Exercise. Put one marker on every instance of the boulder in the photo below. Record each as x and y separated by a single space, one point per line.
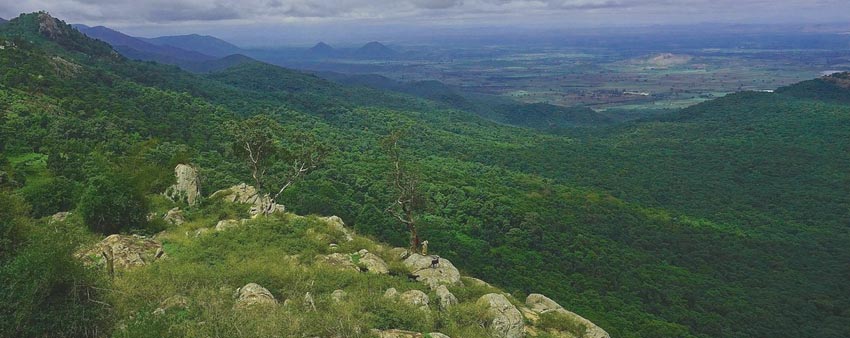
128 251
542 304
59 217
338 260
397 334
507 320
339 225
174 217
338 295
446 298
253 294
173 302
246 194
400 253
444 273
373 263
227 224
416 298
391 293
438 335
200 232
188 186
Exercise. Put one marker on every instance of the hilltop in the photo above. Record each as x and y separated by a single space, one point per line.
374 50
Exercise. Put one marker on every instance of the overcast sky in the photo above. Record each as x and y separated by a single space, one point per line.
254 21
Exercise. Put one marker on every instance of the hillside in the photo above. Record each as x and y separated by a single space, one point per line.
374 50
203 44
725 219
138 49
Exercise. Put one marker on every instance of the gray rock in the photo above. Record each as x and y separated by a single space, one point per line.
339 225
444 273
246 194
227 224
59 217
416 298
128 251
438 335
542 304
446 298
507 320
397 334
373 263
173 302
400 253
338 260
391 293
338 295
174 217
188 186
253 294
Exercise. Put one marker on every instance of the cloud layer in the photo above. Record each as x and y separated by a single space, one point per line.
170 11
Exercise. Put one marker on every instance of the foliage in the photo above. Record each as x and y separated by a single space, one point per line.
109 205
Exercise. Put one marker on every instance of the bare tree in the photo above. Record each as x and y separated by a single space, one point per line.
406 185
275 156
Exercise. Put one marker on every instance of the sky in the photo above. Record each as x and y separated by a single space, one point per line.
257 22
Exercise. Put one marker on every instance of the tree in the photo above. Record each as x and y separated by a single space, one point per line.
277 157
405 183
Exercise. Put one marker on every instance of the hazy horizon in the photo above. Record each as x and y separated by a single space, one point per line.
279 23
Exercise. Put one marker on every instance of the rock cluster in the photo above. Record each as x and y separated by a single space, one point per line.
127 251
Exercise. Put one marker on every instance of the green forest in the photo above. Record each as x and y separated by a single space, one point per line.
725 219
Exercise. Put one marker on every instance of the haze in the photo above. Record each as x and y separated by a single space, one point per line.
279 22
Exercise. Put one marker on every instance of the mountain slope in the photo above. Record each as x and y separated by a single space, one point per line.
722 220
203 44
321 49
374 50
136 48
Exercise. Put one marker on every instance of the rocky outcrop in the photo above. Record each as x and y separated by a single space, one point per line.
174 217
507 320
174 302
444 273
188 186
339 225
542 304
372 263
246 194
446 298
253 294
126 252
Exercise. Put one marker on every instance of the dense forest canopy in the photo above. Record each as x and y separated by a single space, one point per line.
725 219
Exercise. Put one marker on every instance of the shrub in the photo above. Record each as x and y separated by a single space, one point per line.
51 196
110 205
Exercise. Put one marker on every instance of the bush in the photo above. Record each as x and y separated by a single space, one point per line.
45 291
52 196
110 205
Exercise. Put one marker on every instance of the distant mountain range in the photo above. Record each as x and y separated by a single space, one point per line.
2 21
204 44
